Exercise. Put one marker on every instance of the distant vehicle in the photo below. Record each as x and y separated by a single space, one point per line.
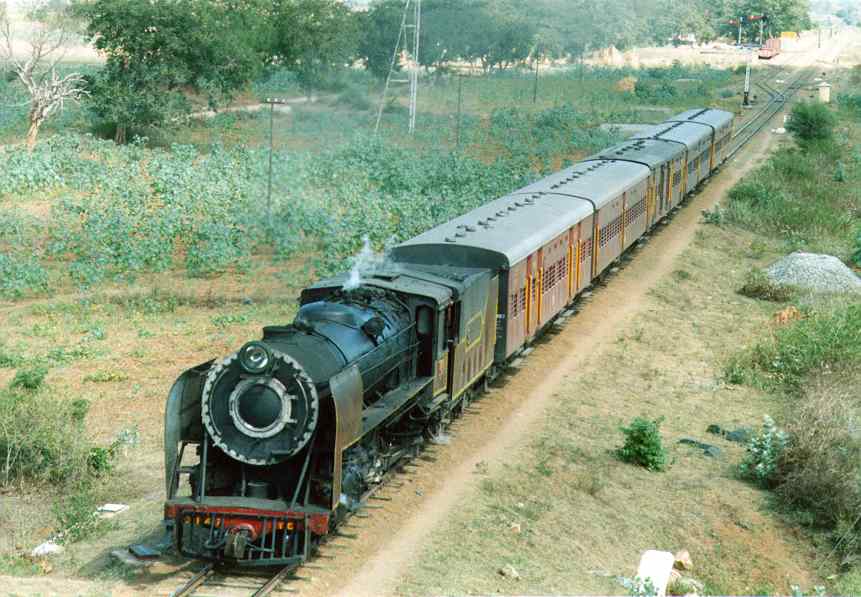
771 49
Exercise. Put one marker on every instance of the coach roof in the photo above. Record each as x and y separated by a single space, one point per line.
506 231
709 116
650 152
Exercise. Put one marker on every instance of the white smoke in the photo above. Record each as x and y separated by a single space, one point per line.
365 263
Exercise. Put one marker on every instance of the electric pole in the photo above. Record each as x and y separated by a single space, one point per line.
272 103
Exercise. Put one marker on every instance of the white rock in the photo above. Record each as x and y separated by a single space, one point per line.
657 567
48 548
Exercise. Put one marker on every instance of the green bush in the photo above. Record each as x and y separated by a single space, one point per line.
75 513
30 378
643 444
20 276
763 453
851 101
811 121
355 98
41 439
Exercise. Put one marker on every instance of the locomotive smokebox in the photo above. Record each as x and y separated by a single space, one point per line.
259 405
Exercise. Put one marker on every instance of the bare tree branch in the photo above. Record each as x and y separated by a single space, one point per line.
51 32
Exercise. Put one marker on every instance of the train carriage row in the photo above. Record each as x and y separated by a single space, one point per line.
292 430
550 240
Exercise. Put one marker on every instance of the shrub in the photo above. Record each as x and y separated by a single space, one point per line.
850 100
355 98
19 276
41 439
811 121
759 286
820 468
75 513
763 453
30 378
643 444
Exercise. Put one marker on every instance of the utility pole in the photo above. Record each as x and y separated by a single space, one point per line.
414 74
459 106
272 103
747 85
413 7
535 86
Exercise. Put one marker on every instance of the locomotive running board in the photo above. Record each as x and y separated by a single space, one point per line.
392 403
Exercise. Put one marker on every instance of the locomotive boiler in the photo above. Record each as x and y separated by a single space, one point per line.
268 449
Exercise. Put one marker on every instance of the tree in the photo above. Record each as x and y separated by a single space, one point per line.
313 37
498 40
158 51
783 15
381 26
51 31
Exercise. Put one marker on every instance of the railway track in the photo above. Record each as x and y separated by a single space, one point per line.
763 116
210 574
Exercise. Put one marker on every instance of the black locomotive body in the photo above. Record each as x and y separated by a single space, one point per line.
291 431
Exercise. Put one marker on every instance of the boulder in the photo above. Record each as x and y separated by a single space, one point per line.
683 560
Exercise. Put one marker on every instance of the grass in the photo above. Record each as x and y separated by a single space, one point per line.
827 338
799 198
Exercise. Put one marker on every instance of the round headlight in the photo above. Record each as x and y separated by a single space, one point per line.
254 358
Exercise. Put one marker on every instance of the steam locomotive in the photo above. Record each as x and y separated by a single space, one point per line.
281 440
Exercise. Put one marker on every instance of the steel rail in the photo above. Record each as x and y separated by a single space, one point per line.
195 581
275 581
